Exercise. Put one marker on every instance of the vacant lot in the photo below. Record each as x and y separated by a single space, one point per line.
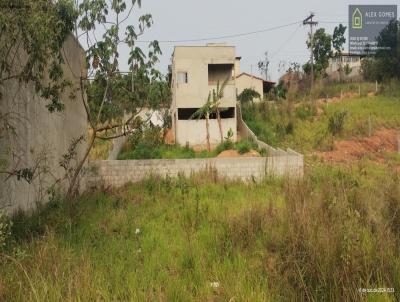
305 127
204 239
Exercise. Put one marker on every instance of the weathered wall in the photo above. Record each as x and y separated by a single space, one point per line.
194 131
40 134
116 173
246 81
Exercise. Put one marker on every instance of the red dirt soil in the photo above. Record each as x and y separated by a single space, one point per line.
383 141
235 153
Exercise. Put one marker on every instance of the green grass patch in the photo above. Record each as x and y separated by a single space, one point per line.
317 239
283 125
163 151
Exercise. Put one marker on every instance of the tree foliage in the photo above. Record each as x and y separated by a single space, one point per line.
321 49
248 95
323 45
35 30
385 64
338 39
115 98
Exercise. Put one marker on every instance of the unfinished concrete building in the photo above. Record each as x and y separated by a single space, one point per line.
197 70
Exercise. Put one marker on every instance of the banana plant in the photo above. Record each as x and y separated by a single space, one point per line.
217 96
205 111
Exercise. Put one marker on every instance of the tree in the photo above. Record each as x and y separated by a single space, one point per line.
115 99
338 38
338 41
322 50
34 30
388 53
280 90
385 63
217 96
38 29
204 112
248 95
263 66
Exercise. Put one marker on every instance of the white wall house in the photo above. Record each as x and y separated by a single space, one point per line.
344 61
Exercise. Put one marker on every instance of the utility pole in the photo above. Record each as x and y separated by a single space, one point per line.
309 21
263 66
266 65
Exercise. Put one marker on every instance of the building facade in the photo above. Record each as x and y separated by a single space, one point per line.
195 72
345 66
249 81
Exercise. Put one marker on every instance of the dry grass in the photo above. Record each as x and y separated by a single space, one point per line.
317 239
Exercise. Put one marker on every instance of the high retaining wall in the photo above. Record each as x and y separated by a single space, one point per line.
116 173
39 138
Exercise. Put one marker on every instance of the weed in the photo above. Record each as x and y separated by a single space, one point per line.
336 122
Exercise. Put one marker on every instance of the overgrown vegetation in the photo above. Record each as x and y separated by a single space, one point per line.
384 65
304 126
146 150
201 239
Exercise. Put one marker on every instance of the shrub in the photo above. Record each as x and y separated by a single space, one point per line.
391 88
245 146
336 122
248 95
226 145
305 111
5 230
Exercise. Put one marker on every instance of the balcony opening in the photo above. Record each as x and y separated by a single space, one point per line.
219 73
188 114
227 112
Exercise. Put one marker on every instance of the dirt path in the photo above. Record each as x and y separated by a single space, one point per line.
383 141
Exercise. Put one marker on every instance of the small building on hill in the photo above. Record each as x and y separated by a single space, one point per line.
246 80
345 66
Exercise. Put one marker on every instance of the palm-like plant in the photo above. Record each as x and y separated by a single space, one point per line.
218 94
211 106
205 111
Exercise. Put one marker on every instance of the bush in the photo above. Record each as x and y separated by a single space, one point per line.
336 122
148 151
226 145
5 230
245 146
391 88
248 95
305 111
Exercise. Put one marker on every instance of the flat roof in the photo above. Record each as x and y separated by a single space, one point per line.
201 46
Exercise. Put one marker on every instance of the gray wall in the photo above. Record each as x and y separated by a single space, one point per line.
116 173
39 134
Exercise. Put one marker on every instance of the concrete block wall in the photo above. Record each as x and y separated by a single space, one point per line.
116 173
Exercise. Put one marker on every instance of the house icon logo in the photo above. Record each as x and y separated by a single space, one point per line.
357 19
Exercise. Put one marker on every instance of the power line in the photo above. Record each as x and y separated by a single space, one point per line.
286 42
225 36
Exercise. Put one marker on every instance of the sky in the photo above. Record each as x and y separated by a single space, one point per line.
196 19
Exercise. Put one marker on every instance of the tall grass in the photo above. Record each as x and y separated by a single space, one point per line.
205 239
309 129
